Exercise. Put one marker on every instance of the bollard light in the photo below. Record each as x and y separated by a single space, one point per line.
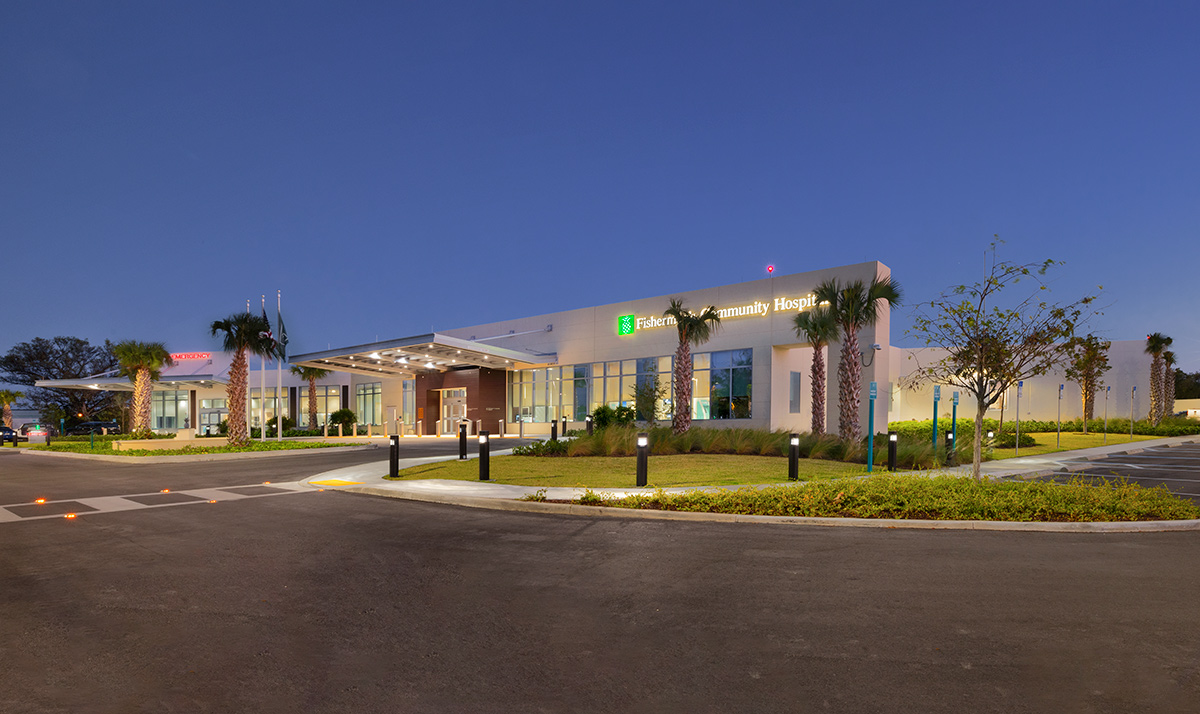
794 457
554 431
394 456
485 467
893 438
643 458
950 449
588 420
462 442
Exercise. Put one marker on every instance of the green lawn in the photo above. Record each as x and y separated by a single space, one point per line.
621 472
1070 441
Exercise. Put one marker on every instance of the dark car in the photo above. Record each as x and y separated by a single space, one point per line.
94 427
7 434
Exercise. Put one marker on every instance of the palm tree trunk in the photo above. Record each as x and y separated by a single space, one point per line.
849 378
1168 391
1156 384
818 391
682 420
8 415
312 404
141 402
236 391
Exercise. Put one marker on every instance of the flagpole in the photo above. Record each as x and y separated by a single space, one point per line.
279 367
262 386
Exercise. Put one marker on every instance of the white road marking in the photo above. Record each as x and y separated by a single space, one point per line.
112 504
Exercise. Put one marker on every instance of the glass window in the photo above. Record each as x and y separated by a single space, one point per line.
722 390
370 403
794 393
169 409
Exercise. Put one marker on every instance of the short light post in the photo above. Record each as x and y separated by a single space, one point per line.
485 466
563 431
793 457
892 438
950 449
588 422
643 458
554 430
394 455
1058 435
991 435
462 441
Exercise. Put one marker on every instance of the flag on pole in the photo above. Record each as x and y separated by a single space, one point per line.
268 335
283 340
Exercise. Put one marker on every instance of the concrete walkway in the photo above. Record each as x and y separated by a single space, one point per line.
369 479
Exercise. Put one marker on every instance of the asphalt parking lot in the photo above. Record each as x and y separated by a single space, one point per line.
1176 467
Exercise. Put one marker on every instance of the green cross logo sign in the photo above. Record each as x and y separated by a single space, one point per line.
625 325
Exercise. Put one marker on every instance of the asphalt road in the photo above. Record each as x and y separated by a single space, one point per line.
333 602
1175 467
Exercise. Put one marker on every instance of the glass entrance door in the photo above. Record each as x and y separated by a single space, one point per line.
454 410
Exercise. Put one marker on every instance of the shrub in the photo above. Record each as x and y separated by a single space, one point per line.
605 416
1007 440
345 417
542 448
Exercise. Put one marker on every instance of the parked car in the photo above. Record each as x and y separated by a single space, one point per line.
7 434
37 428
94 427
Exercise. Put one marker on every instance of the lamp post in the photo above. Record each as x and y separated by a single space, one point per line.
485 465
937 395
1106 391
394 455
1132 397
643 458
462 441
793 457
588 421
1017 443
1058 434
892 436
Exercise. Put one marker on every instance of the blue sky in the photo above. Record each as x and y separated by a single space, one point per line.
396 167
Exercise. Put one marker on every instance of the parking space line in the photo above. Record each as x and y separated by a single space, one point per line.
1142 467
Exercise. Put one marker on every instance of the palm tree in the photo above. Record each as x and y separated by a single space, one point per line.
1156 344
693 330
818 328
143 363
1168 382
244 333
7 399
854 305
312 374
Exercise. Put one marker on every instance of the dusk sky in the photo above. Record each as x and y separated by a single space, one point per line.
397 167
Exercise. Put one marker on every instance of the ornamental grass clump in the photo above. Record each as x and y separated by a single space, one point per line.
936 498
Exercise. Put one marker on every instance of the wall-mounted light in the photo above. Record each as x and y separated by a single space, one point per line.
867 362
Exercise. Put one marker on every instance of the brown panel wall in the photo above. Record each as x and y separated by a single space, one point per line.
486 395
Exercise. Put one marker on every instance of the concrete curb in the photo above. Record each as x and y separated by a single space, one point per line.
604 511
191 458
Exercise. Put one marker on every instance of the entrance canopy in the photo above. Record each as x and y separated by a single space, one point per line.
410 356
113 382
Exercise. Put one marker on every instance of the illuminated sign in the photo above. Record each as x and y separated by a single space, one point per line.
629 324
180 356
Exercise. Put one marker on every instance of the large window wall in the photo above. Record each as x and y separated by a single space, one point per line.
169 409
720 387
329 400
370 403
274 405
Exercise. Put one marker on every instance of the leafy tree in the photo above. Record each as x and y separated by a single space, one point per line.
1088 363
7 398
312 374
694 329
818 328
244 334
990 348
1156 344
61 358
143 363
1187 385
854 305
648 396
